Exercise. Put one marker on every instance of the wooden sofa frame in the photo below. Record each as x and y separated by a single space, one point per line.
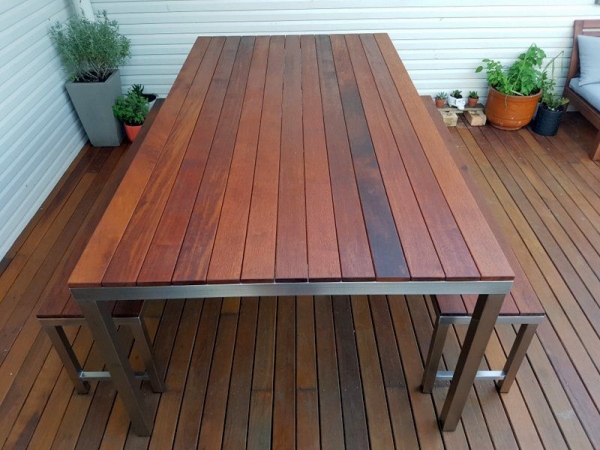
587 28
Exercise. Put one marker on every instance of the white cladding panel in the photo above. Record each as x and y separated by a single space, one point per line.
40 134
440 42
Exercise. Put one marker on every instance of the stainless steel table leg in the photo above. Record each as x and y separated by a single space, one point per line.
105 335
476 340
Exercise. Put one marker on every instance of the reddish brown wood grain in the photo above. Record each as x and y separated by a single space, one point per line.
447 239
418 248
291 257
97 255
259 254
131 252
196 250
486 252
355 254
228 253
386 250
323 253
162 255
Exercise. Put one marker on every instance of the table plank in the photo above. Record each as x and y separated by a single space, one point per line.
131 252
449 244
196 250
323 253
226 262
291 257
355 254
259 255
386 250
419 251
484 248
97 255
162 255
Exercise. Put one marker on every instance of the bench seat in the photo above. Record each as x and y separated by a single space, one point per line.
521 307
578 95
59 309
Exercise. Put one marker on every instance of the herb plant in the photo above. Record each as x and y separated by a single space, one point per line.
137 88
524 77
90 50
131 109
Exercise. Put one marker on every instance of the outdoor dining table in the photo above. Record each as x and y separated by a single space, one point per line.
291 165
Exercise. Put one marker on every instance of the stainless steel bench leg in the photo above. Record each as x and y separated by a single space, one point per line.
516 355
478 335
63 347
102 325
434 355
142 338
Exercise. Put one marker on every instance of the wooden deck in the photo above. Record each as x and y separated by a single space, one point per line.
325 371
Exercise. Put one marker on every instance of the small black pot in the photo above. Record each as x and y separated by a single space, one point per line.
546 121
149 97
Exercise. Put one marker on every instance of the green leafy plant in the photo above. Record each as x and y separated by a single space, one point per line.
456 94
137 88
473 94
90 50
550 99
441 95
131 109
524 77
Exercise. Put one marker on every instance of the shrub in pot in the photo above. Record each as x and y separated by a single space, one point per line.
91 53
473 99
139 89
440 99
550 110
132 110
456 99
515 91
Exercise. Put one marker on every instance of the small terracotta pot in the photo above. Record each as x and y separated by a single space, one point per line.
473 102
132 131
440 102
510 112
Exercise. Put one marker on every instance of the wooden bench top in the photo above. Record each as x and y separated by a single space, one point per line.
291 158
522 299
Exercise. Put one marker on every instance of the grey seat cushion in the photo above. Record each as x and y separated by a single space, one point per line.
590 92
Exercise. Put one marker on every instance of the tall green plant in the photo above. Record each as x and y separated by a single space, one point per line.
90 50
524 77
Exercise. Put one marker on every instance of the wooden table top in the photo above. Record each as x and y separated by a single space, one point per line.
291 158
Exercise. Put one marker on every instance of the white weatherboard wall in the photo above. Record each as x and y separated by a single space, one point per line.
440 42
40 134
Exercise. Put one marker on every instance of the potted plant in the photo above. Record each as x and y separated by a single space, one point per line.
550 110
139 89
515 91
131 109
91 53
456 99
440 99
473 99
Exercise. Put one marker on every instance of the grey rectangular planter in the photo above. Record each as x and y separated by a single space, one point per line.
93 103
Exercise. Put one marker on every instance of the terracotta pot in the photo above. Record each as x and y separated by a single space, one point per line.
510 112
473 102
132 131
440 102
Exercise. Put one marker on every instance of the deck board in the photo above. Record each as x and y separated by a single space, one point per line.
226 379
